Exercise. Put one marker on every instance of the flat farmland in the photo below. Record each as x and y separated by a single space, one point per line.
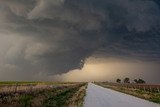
41 94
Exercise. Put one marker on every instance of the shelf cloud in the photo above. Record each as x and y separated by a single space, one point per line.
56 36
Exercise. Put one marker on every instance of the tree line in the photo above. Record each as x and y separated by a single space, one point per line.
127 80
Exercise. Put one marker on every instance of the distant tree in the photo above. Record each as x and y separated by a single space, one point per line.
135 80
139 81
118 80
127 80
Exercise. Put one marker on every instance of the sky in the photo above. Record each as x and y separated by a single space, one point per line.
79 40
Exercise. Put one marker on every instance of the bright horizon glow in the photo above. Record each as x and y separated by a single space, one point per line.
107 71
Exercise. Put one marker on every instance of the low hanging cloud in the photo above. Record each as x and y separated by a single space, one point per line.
109 70
55 36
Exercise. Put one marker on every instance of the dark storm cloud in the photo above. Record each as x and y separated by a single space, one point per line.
58 35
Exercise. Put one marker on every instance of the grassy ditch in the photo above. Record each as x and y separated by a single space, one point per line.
65 98
78 98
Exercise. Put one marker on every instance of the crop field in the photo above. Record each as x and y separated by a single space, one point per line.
41 94
145 91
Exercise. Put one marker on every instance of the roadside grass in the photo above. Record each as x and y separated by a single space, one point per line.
65 98
56 96
147 95
78 98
